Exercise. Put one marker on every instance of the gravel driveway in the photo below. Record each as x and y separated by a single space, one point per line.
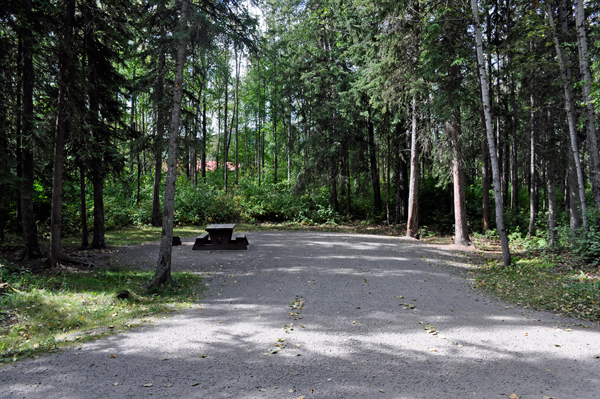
323 315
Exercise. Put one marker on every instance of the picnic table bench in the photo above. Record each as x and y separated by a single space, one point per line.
220 237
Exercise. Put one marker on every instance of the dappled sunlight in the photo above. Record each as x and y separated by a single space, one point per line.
329 321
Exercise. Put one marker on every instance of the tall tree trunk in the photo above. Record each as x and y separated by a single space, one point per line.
163 267
203 156
533 175
388 178
506 257
347 179
575 219
83 206
412 225
514 177
461 230
373 163
237 119
32 246
551 176
225 130
60 133
592 138
565 72
156 217
485 185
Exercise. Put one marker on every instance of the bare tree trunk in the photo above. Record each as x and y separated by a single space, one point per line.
160 126
592 138
461 230
373 163
551 175
412 225
533 175
32 245
485 185
60 133
514 178
237 120
491 142
565 72
388 216
225 130
203 156
83 206
163 267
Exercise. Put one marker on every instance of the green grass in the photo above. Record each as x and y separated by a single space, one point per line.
542 283
40 312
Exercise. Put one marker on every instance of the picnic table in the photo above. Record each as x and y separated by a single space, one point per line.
220 237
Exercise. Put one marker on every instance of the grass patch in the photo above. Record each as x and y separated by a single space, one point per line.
39 312
544 283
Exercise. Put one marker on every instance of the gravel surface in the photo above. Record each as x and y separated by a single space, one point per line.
323 315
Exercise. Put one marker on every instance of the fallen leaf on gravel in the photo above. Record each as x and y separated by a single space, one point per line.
557 345
194 384
301 397
113 356
115 384
148 384
433 350
291 390
202 356
549 397
163 359
382 391
168 385
513 396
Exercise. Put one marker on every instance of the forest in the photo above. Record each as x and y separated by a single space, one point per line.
447 117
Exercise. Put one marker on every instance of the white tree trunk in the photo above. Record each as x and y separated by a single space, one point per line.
490 136
589 107
565 73
412 226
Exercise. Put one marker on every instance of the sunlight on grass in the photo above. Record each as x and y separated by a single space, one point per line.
538 284
40 312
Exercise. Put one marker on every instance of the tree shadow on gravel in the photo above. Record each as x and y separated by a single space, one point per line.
329 316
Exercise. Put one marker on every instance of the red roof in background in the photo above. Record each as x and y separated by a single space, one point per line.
210 166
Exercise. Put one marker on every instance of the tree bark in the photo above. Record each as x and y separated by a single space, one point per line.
373 164
60 133
533 175
225 128
485 185
461 229
551 175
514 177
156 218
203 156
83 206
32 245
237 119
565 72
163 267
592 138
412 225
506 257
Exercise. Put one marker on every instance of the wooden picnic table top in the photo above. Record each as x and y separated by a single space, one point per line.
230 226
